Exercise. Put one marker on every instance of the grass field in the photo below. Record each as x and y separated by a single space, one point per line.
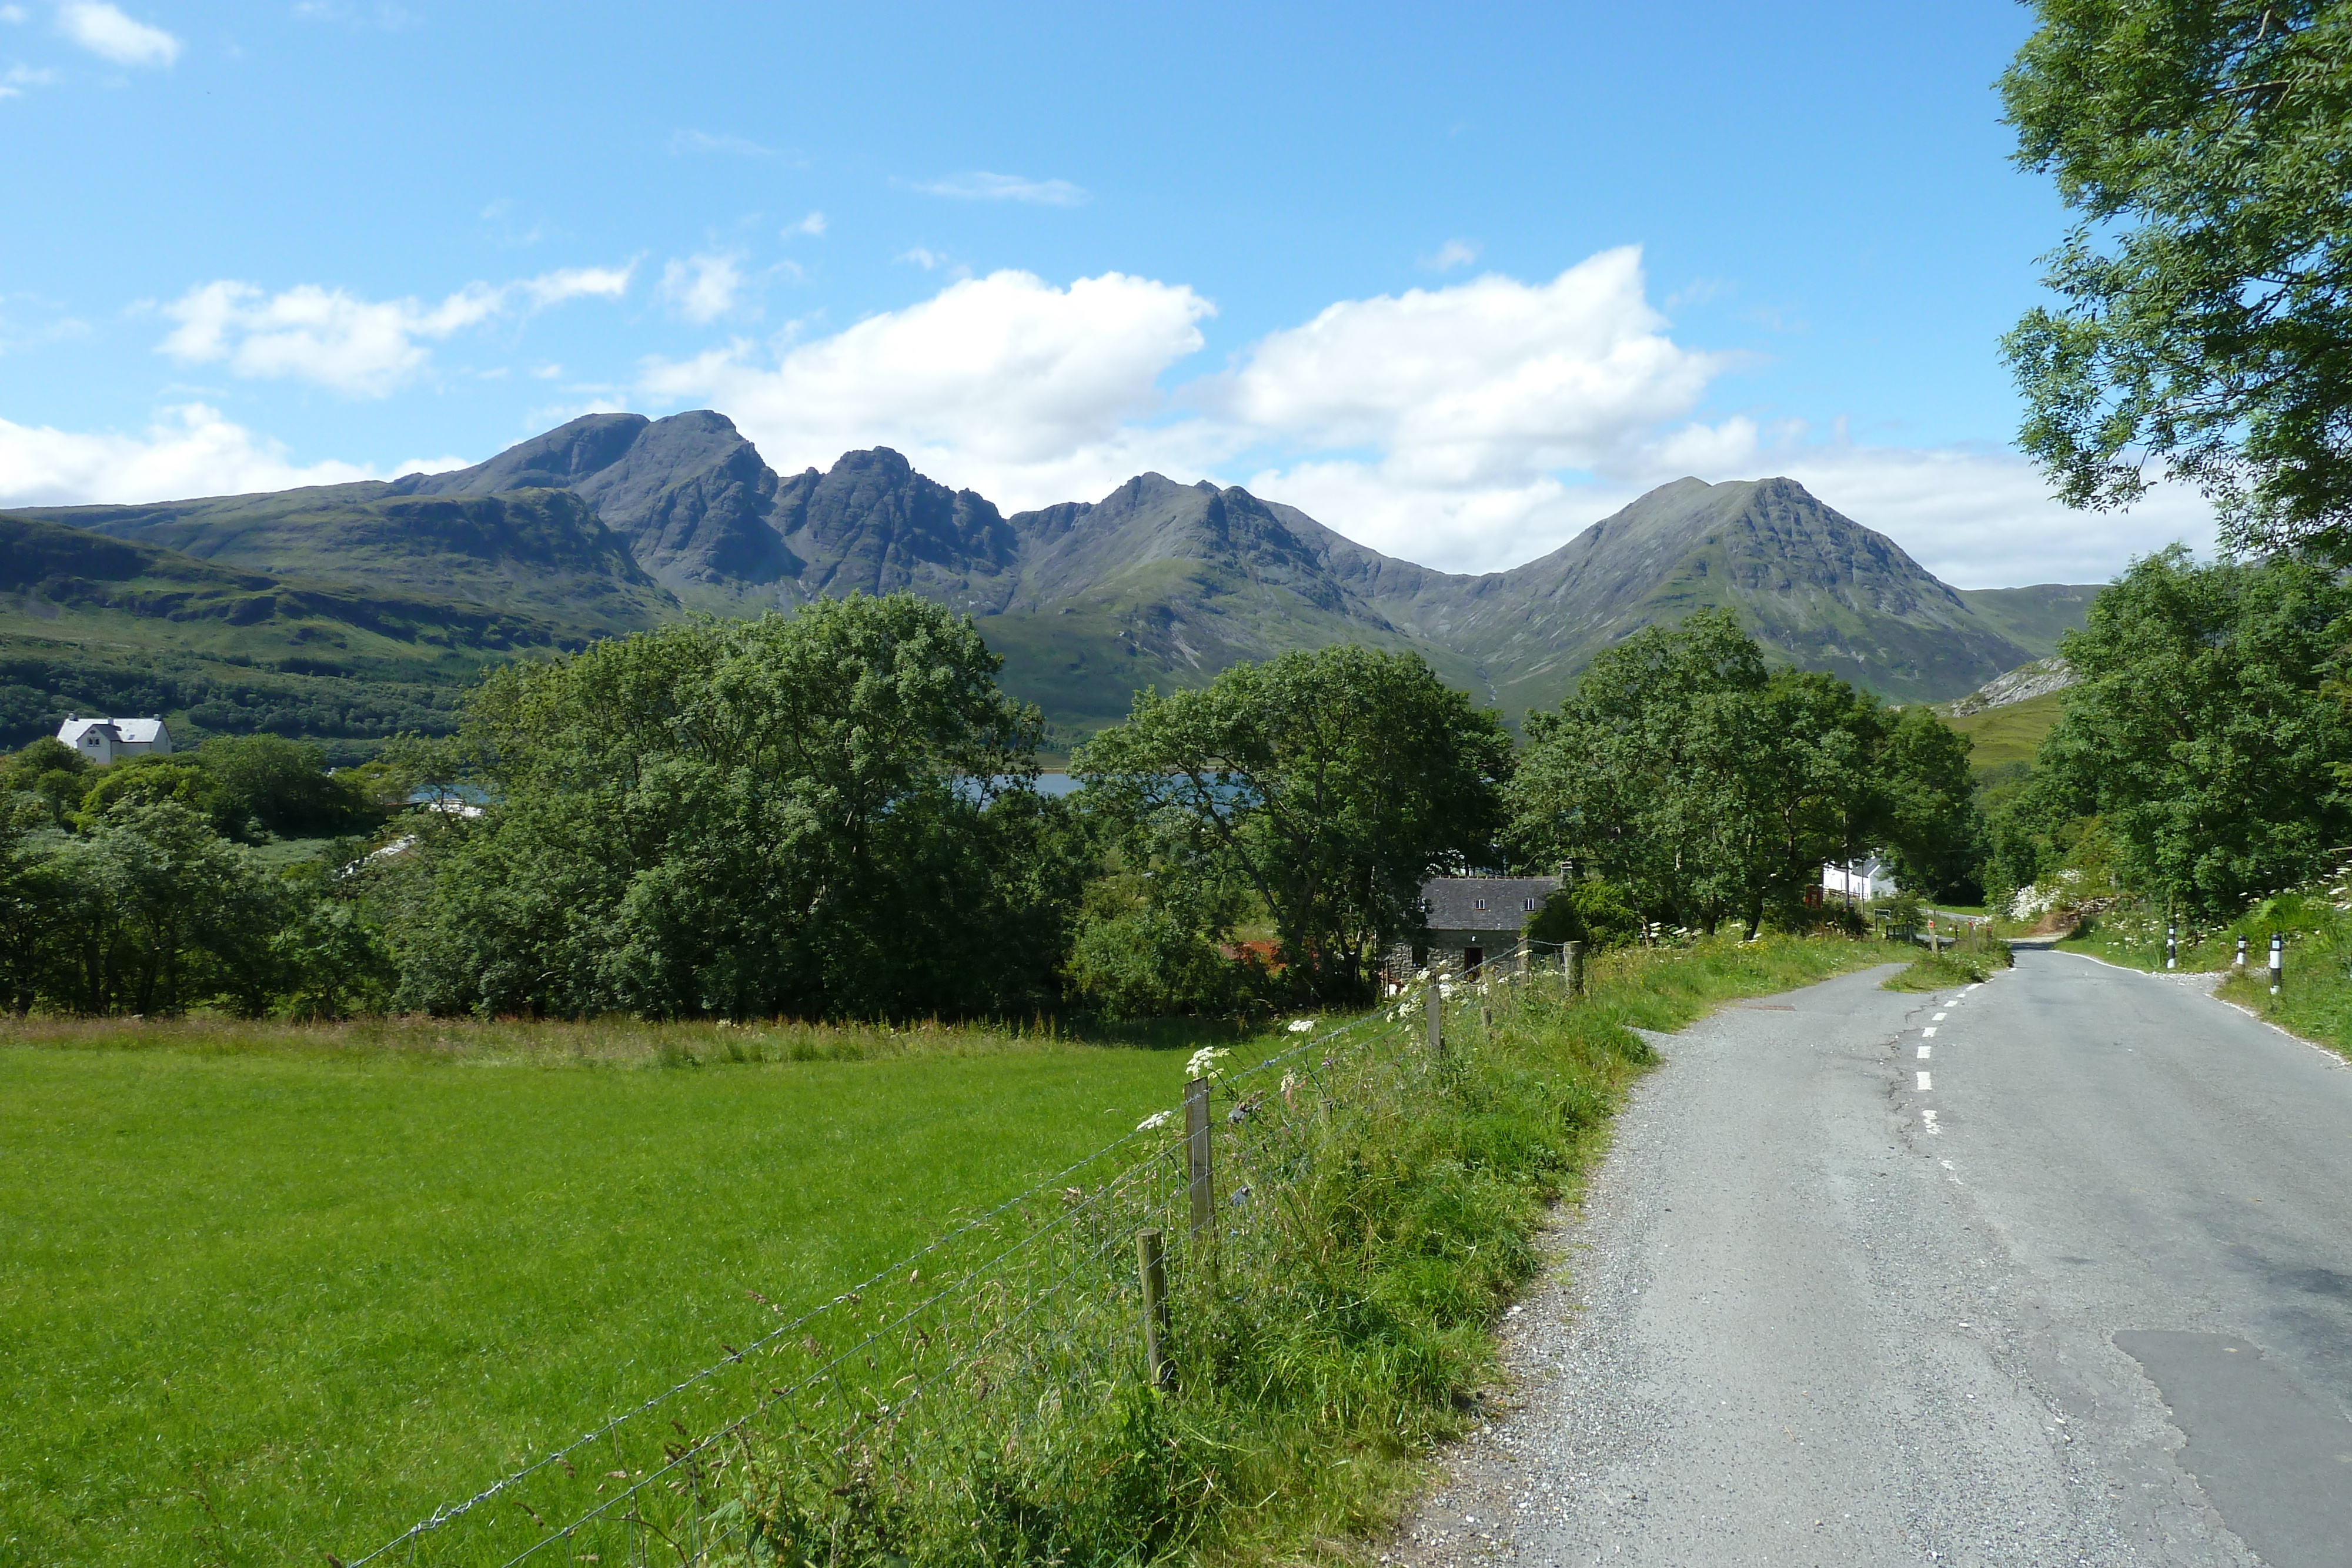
274 1292
278 1291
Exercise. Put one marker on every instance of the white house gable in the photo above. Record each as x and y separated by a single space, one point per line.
101 740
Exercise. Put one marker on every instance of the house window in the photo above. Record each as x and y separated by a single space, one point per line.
1477 903
1527 906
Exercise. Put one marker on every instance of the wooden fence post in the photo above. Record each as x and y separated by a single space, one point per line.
1196 1152
1434 1003
1571 963
1151 1264
1524 957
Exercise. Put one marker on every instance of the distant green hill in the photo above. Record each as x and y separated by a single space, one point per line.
2010 733
104 624
541 554
2033 618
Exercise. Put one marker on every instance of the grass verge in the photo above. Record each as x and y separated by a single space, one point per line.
1327 1331
1970 960
2314 1003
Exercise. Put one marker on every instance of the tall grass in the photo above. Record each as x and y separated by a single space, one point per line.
619 1041
1974 956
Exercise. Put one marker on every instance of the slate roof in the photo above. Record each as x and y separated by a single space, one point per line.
1453 902
73 729
123 731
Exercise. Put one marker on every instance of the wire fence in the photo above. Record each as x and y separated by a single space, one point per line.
819 1440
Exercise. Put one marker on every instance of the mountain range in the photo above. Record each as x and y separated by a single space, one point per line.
615 522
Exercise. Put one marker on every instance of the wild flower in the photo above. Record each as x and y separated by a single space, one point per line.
1205 1063
1157 1119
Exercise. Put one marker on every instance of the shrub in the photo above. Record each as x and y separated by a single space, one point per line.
1147 963
1593 912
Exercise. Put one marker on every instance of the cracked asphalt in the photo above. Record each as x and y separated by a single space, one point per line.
2073 1286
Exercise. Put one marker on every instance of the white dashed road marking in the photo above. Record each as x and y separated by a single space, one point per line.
1939 1017
1928 1030
1925 1082
1923 1051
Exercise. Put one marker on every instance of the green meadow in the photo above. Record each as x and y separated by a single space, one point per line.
271 1293
2012 733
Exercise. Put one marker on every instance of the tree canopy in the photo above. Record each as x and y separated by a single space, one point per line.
2206 290
1712 789
2200 750
830 812
1329 784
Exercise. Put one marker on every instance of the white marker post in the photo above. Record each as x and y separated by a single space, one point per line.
2172 946
2241 952
2278 961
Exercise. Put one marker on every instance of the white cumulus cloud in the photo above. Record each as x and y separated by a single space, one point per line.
16 78
106 32
191 450
576 283
982 186
1025 391
703 288
1471 427
365 347
1979 516
812 225
1489 381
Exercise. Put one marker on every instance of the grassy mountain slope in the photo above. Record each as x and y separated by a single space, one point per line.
2034 618
102 624
1165 584
2012 733
542 553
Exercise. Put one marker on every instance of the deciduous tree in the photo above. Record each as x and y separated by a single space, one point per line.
1331 783
2203 735
2205 319
826 813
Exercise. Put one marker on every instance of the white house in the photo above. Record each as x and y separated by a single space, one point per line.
101 740
1867 878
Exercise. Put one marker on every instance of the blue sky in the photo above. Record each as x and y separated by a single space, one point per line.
1456 280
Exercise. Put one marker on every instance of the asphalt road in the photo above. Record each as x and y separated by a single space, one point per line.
2055 1270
